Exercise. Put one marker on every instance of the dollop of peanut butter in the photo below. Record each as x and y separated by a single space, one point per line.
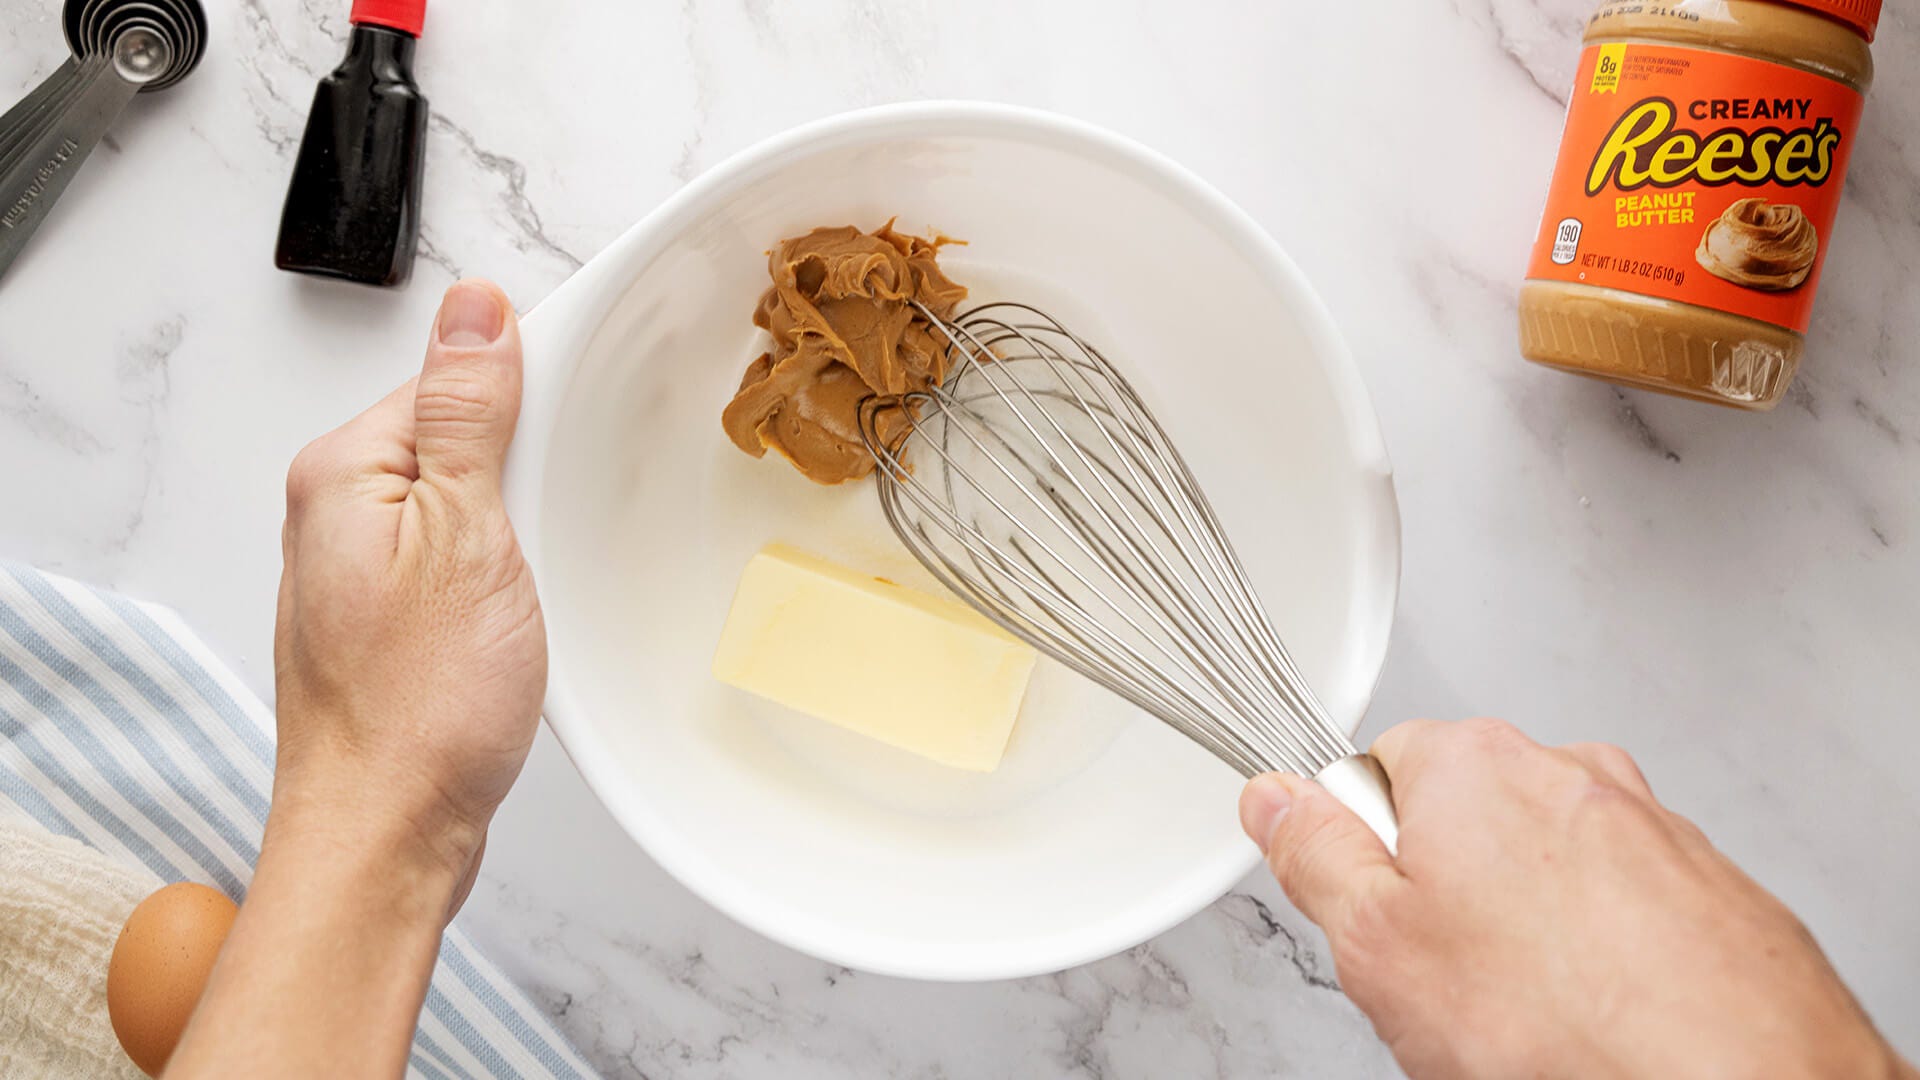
844 328
1760 245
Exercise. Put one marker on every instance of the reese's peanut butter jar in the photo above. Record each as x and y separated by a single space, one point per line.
1695 192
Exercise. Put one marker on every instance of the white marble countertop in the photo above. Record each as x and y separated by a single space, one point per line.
1736 599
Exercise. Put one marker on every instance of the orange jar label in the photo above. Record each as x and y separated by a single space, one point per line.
1698 176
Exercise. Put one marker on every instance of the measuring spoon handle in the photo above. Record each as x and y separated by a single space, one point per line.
40 110
41 169
47 101
17 118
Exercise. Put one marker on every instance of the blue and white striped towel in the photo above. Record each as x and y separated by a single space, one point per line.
120 729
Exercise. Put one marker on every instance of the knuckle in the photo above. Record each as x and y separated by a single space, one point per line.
456 397
1613 758
1494 736
1489 729
1406 733
1600 794
1602 765
309 472
1601 804
1685 826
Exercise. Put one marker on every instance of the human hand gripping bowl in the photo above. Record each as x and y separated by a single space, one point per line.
882 861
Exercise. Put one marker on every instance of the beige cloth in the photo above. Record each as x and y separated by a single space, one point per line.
61 906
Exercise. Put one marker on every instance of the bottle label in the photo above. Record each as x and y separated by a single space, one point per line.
1698 176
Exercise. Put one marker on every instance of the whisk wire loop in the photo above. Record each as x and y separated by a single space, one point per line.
1037 485
1143 547
1024 571
1136 457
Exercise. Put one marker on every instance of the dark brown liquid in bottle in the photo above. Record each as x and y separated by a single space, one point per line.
353 208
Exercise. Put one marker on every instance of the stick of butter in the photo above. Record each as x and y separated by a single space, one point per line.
924 673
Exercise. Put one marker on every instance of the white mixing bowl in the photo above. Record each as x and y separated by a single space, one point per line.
1103 827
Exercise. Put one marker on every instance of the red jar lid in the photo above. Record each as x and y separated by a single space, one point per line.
1862 15
406 16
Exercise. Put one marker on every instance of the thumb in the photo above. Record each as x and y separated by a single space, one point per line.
468 398
1322 854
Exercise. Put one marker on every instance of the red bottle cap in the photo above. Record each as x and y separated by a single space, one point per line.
406 16
1862 15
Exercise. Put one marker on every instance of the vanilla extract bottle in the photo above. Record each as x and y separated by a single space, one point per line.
353 205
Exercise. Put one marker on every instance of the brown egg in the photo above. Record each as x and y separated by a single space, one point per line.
159 966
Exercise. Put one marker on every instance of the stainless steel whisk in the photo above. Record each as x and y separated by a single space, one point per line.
1035 484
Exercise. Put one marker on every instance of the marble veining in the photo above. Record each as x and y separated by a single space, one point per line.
512 174
21 405
1730 597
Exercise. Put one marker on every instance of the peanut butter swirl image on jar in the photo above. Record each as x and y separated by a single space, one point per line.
1695 188
1759 246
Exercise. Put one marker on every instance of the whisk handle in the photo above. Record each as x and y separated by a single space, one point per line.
1361 785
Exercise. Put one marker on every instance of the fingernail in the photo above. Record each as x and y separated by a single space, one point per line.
470 315
1262 805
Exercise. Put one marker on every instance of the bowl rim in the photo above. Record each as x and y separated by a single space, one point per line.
557 331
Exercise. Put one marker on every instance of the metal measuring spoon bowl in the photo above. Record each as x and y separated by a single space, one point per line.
122 47
90 25
141 55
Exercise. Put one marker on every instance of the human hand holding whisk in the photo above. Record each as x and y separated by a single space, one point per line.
1546 916
1502 909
